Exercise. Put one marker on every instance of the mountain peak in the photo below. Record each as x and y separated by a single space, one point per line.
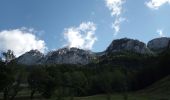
159 45
126 44
30 58
69 56
79 56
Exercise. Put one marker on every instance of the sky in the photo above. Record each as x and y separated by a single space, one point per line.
48 25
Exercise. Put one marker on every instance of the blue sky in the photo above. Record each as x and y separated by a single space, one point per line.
50 22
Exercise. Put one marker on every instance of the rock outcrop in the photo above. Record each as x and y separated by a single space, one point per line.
159 45
30 58
125 44
69 56
83 57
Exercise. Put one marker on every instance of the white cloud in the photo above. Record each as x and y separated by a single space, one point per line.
116 24
20 41
155 4
82 37
115 6
160 32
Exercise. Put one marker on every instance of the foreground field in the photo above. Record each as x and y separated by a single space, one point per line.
131 97
104 97
158 91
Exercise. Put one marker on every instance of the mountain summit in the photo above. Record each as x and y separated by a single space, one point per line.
69 56
125 44
83 57
30 58
159 45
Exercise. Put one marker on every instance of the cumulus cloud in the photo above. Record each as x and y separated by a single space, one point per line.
20 41
115 6
160 32
155 4
82 37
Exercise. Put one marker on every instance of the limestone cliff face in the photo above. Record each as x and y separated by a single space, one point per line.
30 58
69 56
83 57
126 44
159 45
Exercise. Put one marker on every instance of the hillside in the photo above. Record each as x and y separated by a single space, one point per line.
161 87
122 68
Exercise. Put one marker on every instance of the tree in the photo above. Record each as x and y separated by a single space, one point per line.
79 82
106 81
9 55
74 83
40 81
10 80
6 81
19 79
6 76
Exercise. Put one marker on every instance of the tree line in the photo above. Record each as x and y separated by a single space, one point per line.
66 80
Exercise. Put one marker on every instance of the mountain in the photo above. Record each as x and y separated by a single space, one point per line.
30 58
124 47
61 56
159 45
69 56
125 44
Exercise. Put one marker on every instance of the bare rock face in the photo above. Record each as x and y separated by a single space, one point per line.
69 56
30 58
83 57
159 45
126 44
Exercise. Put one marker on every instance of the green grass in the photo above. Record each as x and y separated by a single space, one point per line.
160 87
131 96
158 91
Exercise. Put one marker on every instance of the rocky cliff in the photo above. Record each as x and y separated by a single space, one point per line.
159 45
69 56
30 58
79 56
125 44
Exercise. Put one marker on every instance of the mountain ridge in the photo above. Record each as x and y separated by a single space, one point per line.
79 56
